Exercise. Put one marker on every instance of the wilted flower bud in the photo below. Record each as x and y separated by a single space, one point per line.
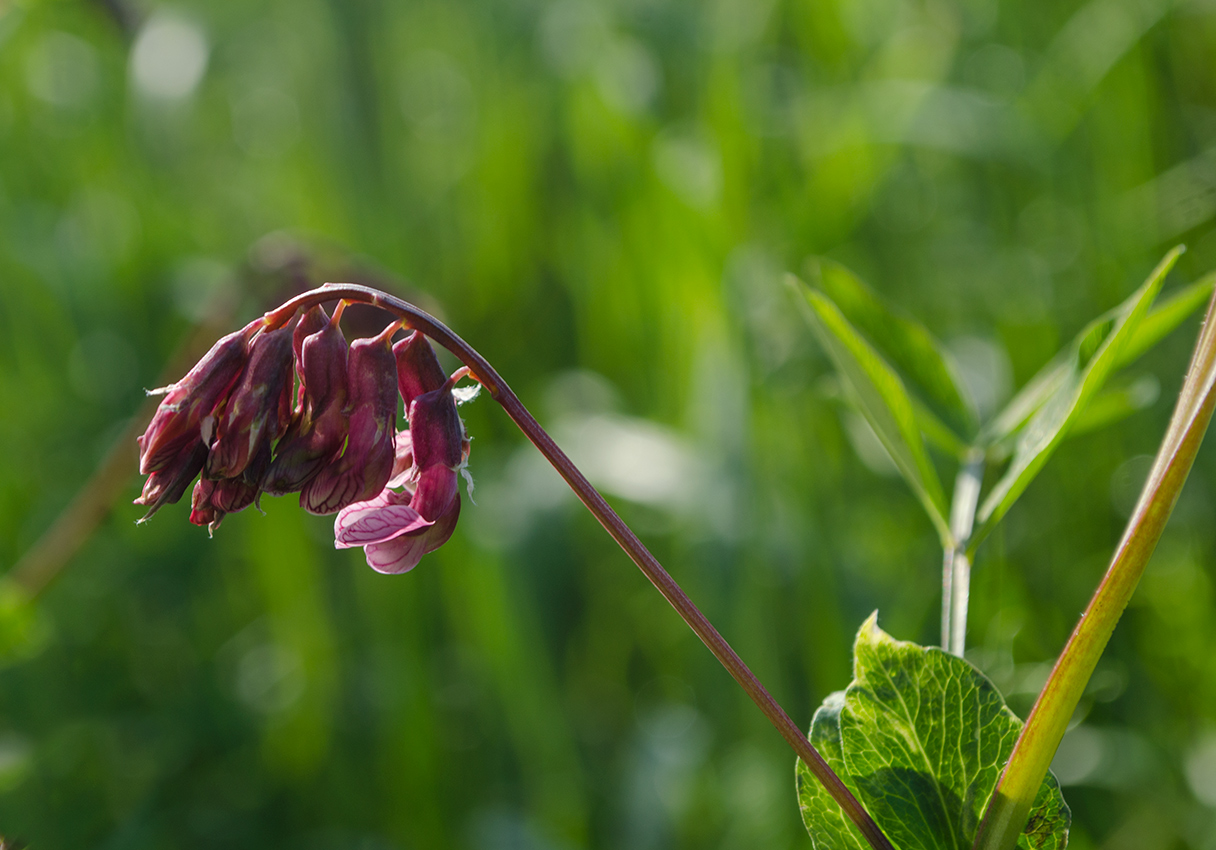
418 369
366 463
168 483
182 416
258 408
213 500
318 430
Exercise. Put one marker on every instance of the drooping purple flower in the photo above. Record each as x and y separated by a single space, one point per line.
366 463
257 410
397 528
183 416
233 418
318 429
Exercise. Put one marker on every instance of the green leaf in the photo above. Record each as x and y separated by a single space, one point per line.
881 398
1061 391
1166 316
906 343
1163 318
937 432
920 736
1115 403
823 818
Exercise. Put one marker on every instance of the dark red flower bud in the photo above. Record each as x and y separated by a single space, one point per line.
213 500
436 432
168 483
418 369
182 417
313 321
318 430
438 488
258 408
366 463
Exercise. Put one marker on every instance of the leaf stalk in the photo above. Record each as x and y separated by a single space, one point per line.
956 564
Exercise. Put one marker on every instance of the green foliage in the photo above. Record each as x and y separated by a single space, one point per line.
906 343
602 197
1074 377
920 736
24 631
881 397
1066 396
1019 785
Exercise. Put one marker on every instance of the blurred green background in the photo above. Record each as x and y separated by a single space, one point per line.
602 197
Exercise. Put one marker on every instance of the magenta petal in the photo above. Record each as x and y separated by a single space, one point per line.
436 490
376 525
402 554
396 556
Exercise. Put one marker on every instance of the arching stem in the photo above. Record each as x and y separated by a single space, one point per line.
480 369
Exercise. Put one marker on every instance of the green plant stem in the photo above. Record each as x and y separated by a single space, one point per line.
612 523
1007 810
956 565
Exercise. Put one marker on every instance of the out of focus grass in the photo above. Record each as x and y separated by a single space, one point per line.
601 197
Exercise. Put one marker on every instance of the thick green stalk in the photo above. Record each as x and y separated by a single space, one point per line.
613 524
956 566
1010 805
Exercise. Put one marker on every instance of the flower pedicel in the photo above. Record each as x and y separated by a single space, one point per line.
395 492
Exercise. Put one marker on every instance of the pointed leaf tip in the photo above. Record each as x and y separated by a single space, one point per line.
881 398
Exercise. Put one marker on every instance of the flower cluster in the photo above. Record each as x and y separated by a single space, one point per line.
235 419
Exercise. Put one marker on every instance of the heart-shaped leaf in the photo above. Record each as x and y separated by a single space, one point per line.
920 737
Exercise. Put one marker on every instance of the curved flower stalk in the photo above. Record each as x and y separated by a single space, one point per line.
416 504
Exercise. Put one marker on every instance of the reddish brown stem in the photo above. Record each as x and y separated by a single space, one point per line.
613 524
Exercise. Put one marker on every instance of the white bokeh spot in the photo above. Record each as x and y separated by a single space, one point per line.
169 57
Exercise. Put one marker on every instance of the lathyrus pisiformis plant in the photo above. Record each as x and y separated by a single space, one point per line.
920 751
921 737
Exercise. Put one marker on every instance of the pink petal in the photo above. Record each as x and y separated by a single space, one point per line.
402 554
396 556
367 522
403 460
